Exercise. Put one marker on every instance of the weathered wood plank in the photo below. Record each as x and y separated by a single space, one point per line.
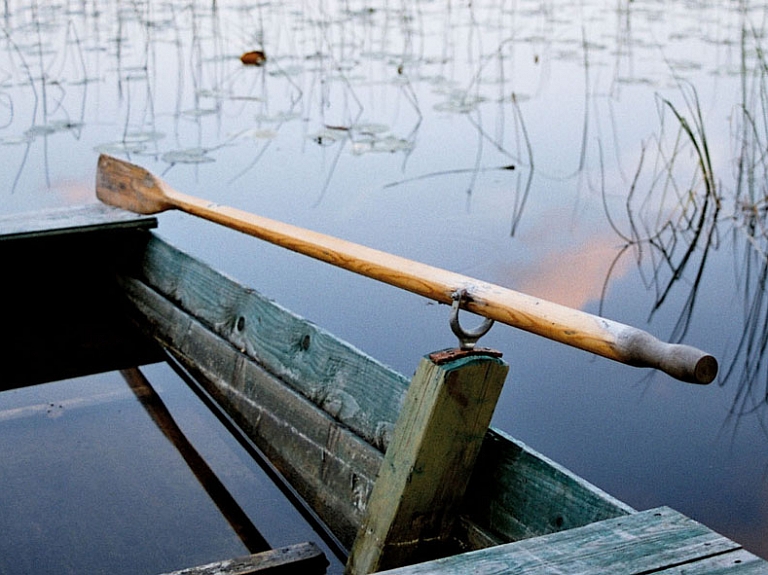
330 467
321 451
518 493
740 562
301 558
230 509
645 542
416 498
353 387
78 219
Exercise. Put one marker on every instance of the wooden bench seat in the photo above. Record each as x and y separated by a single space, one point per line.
656 541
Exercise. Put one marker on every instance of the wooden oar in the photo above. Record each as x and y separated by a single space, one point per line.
133 188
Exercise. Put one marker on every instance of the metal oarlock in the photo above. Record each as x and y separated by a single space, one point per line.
467 339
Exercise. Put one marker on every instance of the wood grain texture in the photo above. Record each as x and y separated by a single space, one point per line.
573 327
655 541
325 446
351 386
300 558
330 467
64 221
416 499
132 187
518 493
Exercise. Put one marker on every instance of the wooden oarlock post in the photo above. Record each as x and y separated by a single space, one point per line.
415 501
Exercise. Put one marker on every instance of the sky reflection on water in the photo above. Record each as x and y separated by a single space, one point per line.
396 126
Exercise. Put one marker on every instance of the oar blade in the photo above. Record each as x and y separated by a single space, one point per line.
128 186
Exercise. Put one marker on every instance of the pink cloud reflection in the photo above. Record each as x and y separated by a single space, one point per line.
574 276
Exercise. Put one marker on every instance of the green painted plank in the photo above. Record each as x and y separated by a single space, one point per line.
740 562
518 493
353 387
645 542
77 219
515 492
415 502
329 466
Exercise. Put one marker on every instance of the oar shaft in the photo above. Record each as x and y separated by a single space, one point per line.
560 323
133 188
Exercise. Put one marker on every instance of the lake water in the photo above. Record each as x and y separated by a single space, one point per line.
102 474
609 158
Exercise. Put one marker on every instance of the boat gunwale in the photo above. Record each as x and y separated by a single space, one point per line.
193 309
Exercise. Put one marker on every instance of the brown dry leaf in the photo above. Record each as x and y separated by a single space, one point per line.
253 58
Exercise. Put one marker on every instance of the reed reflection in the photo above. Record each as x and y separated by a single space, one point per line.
347 82
679 212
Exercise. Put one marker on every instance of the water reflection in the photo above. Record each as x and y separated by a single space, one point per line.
557 147
163 83
168 78
680 209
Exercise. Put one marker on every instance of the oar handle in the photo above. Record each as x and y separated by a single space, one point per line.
563 324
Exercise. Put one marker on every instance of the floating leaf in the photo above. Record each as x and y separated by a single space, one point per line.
392 144
288 71
260 134
253 58
458 105
187 156
389 144
246 98
64 125
14 141
84 81
278 117
150 136
328 136
35 131
197 112
370 128
116 148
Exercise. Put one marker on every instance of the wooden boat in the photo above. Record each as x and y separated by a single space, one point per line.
396 473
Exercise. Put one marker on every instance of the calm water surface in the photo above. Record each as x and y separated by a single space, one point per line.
611 157
92 483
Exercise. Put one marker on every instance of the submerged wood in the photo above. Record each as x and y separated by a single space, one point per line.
303 558
238 520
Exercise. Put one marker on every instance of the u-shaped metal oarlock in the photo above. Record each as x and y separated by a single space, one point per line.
467 338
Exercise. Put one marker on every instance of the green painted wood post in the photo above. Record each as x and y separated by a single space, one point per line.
415 501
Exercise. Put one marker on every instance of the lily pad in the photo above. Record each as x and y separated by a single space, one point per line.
14 141
44 130
389 144
260 134
116 148
328 136
187 156
459 105
198 112
371 128
148 136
